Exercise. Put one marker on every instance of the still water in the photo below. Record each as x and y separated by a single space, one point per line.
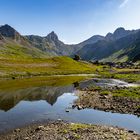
48 99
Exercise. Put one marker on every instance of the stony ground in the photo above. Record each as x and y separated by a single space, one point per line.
92 99
70 131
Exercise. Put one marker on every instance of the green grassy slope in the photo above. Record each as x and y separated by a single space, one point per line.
130 53
42 66
14 50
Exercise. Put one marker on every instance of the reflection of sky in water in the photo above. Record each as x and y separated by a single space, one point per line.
43 103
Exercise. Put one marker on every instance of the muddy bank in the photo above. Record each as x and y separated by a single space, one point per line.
70 131
116 104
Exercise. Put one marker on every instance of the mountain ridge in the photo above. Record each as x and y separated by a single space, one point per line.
95 48
113 42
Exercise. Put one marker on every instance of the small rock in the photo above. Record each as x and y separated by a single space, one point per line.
130 131
59 119
39 128
79 107
73 106
13 78
137 111
26 138
17 130
67 110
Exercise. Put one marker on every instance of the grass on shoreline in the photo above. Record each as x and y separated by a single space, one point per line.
129 75
131 92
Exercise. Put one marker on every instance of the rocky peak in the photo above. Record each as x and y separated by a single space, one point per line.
120 30
52 36
8 31
118 33
109 35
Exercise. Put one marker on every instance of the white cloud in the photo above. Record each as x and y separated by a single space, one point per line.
124 3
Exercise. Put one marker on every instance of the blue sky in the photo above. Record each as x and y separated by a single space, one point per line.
73 20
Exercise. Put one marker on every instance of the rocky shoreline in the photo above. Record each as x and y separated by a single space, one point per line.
93 99
60 130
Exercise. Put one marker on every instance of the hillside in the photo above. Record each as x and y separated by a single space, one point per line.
129 53
13 45
45 66
122 45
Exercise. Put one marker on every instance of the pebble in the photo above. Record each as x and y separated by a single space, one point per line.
79 107
130 131
67 110
40 128
26 138
17 130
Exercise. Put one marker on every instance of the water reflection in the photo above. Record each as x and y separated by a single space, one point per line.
49 94
10 98
27 101
35 89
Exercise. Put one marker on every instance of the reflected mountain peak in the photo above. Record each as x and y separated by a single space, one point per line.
49 94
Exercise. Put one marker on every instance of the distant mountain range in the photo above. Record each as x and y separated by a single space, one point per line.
122 45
